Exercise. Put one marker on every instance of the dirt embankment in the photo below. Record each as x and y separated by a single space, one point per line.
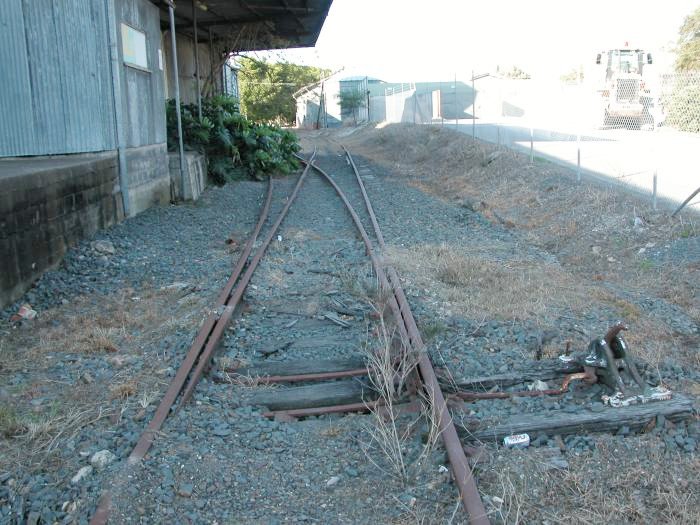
643 262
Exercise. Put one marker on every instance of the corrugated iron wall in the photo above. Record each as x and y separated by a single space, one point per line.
143 89
55 92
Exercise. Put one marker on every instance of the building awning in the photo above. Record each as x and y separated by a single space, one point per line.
253 24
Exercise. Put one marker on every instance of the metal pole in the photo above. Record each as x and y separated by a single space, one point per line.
176 75
115 67
653 198
473 108
367 87
211 65
456 112
532 148
415 107
442 116
196 59
578 157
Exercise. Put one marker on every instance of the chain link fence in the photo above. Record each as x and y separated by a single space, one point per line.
679 101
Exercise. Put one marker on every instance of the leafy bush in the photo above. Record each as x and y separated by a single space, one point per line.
235 146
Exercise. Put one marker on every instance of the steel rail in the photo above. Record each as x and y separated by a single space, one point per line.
237 293
297 378
203 335
376 263
145 441
458 461
206 340
366 406
406 325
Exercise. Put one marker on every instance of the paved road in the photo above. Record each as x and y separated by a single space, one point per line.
630 157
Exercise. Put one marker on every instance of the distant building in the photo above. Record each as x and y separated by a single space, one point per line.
318 104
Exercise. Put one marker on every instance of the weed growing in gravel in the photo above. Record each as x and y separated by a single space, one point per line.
123 390
391 366
10 424
432 328
687 231
646 265
359 285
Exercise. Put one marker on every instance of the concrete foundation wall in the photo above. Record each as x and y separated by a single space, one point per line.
47 205
195 176
148 176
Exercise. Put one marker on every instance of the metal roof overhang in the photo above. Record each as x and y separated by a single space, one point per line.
281 23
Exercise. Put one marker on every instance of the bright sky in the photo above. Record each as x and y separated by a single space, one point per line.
408 40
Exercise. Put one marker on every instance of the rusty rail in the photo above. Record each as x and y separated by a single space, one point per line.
407 326
463 394
298 378
206 339
458 460
237 293
203 335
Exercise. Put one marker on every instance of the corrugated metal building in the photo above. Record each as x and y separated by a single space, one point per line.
82 98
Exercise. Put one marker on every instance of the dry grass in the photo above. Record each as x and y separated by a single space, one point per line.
621 482
102 325
36 436
392 365
124 390
112 330
588 227
475 285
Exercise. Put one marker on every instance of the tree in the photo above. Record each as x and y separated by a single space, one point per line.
688 50
574 76
518 73
350 101
267 88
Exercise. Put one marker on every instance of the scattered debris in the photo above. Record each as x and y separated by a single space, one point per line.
25 312
517 441
105 247
333 481
291 323
538 385
335 319
81 474
490 158
178 285
618 399
101 459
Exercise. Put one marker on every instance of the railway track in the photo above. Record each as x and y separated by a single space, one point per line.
338 384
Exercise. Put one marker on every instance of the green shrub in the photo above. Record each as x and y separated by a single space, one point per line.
235 146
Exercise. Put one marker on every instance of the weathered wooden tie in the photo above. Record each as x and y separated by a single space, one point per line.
609 419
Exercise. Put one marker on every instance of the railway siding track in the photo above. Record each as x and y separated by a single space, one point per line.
281 369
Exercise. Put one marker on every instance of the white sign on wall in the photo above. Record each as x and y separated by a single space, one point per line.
134 47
